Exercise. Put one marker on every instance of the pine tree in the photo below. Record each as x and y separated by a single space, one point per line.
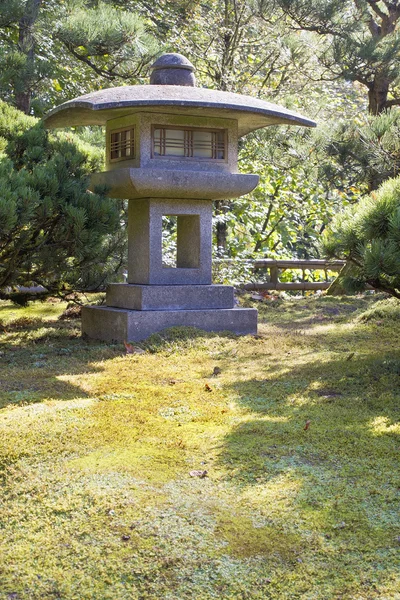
368 238
360 41
51 50
52 230
365 152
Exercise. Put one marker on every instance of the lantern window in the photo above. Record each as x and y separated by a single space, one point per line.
209 144
122 144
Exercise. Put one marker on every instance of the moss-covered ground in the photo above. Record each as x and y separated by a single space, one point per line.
298 433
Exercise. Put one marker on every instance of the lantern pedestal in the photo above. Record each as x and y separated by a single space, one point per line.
116 324
169 297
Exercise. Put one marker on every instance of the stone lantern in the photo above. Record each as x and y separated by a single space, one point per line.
171 149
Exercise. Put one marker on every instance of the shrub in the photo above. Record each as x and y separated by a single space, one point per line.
368 238
53 231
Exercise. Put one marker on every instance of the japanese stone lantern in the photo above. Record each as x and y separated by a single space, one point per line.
171 149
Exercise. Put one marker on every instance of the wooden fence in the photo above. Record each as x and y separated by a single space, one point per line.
275 267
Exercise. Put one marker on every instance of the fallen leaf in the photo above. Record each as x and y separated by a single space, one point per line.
207 388
130 349
217 371
257 297
200 474
307 425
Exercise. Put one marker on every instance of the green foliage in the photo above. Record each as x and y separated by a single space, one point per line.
359 40
368 237
115 43
364 151
226 40
292 205
53 50
52 230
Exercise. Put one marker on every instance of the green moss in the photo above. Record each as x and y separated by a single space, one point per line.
245 540
97 447
146 461
387 310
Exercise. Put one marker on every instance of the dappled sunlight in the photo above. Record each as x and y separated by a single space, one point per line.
267 418
295 433
383 426
275 497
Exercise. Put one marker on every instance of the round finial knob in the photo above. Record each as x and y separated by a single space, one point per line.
172 69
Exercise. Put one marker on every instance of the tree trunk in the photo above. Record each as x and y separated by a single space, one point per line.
336 288
221 227
23 101
26 45
378 94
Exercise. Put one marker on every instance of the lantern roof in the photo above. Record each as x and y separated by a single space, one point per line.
182 97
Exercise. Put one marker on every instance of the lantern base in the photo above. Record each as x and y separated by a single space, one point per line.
118 324
169 297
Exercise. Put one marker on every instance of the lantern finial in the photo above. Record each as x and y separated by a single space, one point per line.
173 69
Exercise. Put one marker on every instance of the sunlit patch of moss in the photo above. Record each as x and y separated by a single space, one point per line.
98 497
279 490
383 311
146 461
10 312
382 425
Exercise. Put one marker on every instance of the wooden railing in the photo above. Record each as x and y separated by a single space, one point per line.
276 266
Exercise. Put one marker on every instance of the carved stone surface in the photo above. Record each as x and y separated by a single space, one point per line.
172 69
143 122
117 325
165 183
169 297
164 173
145 242
97 108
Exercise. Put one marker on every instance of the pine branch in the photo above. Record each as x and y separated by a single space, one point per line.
374 4
320 29
394 102
108 74
378 284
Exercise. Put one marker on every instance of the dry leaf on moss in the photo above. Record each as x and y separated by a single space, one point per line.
200 474
130 349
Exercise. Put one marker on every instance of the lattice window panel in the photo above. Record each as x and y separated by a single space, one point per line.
122 144
208 144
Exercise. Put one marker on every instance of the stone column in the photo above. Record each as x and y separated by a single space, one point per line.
194 242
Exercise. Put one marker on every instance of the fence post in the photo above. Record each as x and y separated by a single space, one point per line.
273 275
